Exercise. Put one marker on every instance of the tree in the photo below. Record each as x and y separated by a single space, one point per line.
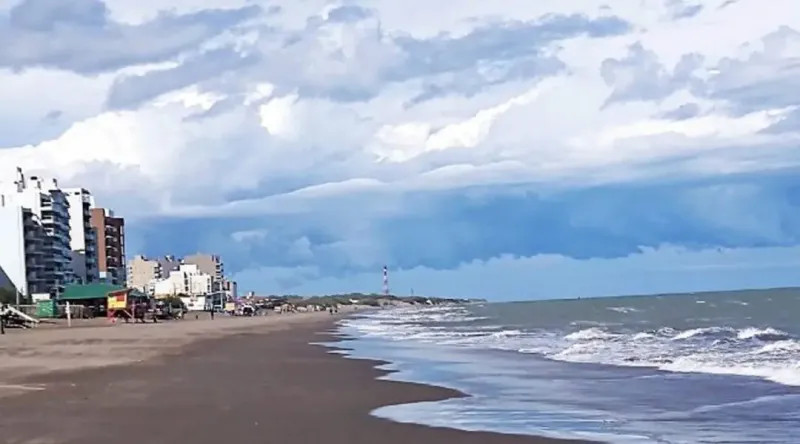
173 301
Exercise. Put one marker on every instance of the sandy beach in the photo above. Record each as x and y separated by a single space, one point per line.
242 380
53 347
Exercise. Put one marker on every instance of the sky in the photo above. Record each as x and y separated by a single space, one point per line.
509 149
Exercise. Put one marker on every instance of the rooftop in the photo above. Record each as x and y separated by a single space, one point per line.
88 291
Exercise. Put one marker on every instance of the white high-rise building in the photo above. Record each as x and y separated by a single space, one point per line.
21 256
83 236
34 220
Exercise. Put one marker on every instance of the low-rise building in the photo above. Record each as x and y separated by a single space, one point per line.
188 280
211 265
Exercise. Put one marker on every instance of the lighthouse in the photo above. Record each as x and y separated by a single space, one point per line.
385 281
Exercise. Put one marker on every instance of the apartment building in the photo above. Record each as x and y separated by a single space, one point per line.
209 264
231 289
142 271
83 236
168 264
17 257
110 246
34 222
187 280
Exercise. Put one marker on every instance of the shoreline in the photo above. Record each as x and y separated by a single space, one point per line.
250 385
343 351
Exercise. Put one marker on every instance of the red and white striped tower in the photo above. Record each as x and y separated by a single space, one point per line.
385 280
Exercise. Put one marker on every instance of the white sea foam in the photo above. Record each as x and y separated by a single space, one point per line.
766 334
624 310
589 334
763 352
694 332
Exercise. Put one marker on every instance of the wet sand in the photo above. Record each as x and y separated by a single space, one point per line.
261 382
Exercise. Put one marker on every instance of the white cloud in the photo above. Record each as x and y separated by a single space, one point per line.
276 116
562 126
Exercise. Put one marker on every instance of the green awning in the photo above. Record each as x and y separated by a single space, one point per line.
88 291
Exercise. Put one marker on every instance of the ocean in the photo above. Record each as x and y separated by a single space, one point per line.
678 369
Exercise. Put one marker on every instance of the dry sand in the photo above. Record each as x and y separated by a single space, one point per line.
54 347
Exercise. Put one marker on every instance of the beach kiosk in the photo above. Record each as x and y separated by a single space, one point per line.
122 302
96 299
86 300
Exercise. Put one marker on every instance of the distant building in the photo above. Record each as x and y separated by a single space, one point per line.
209 264
110 246
188 280
141 271
168 264
196 275
230 288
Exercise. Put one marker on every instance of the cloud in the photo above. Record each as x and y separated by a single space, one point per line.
437 230
683 112
682 9
641 76
311 143
354 57
133 90
739 83
80 36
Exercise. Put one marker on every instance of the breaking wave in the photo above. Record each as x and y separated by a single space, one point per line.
757 351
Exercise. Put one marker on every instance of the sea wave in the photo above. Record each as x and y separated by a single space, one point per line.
758 351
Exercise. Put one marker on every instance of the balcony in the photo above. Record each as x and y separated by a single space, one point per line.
34 265
33 238
50 221
56 207
58 240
